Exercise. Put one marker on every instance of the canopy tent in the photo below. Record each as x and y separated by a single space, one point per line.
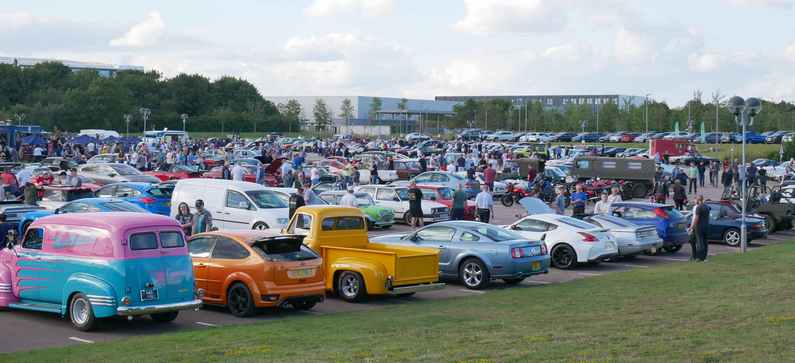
110 140
35 139
83 140
130 140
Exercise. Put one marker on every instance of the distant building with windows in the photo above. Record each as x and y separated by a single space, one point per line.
559 102
389 114
103 69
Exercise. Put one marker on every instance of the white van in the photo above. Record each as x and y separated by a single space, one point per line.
233 204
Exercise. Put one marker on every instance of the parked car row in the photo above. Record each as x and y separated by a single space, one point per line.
770 137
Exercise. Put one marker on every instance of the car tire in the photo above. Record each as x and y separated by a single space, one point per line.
672 248
165 317
350 286
563 257
81 314
514 281
770 223
639 190
473 274
407 218
732 237
259 226
239 301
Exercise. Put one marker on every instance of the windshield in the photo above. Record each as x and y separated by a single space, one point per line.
364 200
407 164
266 199
162 191
615 220
496 234
122 207
123 169
403 193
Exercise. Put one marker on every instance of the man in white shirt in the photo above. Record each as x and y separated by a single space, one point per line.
485 204
348 200
615 195
238 171
287 174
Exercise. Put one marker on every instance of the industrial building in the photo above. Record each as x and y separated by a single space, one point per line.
559 102
103 69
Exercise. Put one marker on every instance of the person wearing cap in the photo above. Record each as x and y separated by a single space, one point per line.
202 220
348 200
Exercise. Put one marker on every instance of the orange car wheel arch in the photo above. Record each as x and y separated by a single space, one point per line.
244 278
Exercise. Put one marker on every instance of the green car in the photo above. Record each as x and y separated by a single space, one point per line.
377 216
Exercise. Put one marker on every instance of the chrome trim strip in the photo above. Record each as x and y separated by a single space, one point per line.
99 297
153 309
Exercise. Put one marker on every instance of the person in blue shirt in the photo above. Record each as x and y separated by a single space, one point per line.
578 200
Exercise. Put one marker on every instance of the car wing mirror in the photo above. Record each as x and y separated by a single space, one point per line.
543 237
395 199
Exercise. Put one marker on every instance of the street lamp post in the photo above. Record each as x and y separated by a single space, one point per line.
743 110
184 118
145 113
127 118
20 117
647 113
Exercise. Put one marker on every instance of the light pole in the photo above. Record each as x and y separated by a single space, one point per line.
743 110
647 113
145 113
127 118
184 118
20 117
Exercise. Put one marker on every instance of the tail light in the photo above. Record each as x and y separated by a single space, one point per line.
587 237
756 226
517 252
147 200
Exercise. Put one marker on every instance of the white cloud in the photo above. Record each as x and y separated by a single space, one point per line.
512 16
367 7
633 47
11 21
564 53
704 62
143 34
789 52
332 46
780 4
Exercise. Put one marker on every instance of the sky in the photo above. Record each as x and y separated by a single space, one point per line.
427 48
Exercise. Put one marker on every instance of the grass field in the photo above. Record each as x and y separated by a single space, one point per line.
732 308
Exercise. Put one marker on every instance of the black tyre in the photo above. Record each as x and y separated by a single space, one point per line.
564 257
507 200
304 305
770 223
407 218
350 286
672 248
473 274
239 300
732 237
165 317
639 190
513 281
81 313
260 226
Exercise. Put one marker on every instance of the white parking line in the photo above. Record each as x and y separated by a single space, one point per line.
589 274
206 324
81 340
629 265
673 259
472 291
538 282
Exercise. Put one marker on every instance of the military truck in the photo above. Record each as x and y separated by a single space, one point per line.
634 176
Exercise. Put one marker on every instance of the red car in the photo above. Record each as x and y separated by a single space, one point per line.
444 195
250 174
175 172
629 136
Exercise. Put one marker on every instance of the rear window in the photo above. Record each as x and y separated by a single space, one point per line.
576 223
342 223
162 191
284 251
673 213
143 241
171 239
123 207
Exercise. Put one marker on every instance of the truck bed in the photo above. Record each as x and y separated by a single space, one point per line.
406 265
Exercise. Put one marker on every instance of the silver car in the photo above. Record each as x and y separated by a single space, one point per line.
106 173
631 238
476 253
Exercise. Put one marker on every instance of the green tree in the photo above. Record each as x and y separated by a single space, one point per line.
346 111
375 108
322 115
403 107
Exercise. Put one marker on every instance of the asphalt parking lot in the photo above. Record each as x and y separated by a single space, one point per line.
26 330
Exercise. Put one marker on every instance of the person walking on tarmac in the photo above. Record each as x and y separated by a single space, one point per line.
296 200
698 230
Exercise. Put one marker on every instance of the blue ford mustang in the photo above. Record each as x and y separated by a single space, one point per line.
155 198
80 206
725 223
671 225
477 253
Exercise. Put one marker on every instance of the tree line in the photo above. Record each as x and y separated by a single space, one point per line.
56 98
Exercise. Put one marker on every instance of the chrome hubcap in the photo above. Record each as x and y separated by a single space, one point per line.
350 286
80 311
259 227
733 237
472 274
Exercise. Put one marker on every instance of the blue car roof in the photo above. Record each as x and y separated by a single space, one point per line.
140 186
642 204
95 201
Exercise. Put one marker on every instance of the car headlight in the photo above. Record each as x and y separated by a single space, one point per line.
282 221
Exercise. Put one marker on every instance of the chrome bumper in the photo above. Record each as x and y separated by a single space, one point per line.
416 288
154 309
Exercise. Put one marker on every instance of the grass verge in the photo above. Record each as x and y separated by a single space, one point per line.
732 308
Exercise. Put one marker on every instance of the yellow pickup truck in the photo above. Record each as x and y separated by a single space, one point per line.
356 268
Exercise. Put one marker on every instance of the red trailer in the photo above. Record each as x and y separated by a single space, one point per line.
670 148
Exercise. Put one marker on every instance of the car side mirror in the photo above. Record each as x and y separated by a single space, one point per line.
57 211
112 175
395 199
543 237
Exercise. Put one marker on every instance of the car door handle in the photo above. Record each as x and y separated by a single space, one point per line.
442 247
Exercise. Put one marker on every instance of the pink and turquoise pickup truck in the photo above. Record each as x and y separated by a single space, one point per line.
89 266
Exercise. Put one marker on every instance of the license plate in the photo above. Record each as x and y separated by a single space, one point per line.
535 251
536 265
301 273
148 294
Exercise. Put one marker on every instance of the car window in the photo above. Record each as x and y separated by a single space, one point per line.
33 239
73 208
226 248
638 213
162 191
469 237
267 199
236 200
532 225
436 233
106 191
342 223
126 192
302 221
496 234
171 240
143 241
386 194
201 246
576 223
423 178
